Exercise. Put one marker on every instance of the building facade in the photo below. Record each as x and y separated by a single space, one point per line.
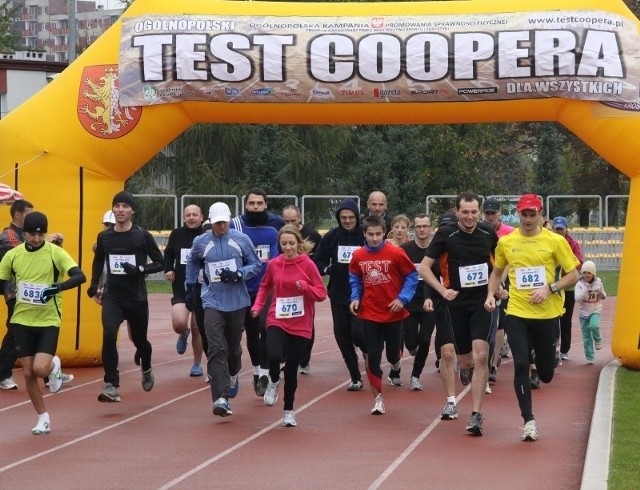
44 25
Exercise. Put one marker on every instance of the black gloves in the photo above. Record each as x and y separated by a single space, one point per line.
92 291
230 276
131 269
190 297
49 292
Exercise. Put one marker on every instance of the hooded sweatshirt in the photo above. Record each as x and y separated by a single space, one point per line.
333 255
291 309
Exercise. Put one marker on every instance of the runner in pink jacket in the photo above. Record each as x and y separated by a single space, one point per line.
294 285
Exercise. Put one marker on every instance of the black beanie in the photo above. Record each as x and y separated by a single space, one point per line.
35 222
123 197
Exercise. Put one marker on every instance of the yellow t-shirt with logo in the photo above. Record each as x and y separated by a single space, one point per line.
33 271
546 253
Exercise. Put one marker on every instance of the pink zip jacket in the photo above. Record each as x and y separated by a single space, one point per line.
292 308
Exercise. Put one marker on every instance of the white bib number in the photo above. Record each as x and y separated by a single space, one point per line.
472 276
345 253
30 293
289 307
117 261
185 253
263 252
530 277
215 268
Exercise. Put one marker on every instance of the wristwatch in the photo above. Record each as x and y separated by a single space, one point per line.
553 287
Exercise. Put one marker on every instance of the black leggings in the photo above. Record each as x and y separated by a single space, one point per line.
379 337
287 348
418 328
526 335
113 314
254 329
349 334
565 321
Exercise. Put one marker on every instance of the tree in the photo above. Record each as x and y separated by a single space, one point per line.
9 40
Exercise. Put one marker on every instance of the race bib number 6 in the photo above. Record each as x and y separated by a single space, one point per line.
117 261
216 268
30 293
289 307
530 277
472 276
345 253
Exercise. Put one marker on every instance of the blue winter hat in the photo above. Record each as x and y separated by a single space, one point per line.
560 222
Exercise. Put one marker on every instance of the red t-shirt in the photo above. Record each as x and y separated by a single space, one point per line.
382 276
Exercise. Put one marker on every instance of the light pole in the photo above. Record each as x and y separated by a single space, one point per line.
72 31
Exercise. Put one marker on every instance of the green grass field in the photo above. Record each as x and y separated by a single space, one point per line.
624 465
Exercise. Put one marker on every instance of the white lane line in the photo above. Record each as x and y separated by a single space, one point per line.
246 441
98 432
410 448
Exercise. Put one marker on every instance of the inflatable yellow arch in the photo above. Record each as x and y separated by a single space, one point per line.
167 65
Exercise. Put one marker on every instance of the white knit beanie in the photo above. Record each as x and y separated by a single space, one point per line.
589 266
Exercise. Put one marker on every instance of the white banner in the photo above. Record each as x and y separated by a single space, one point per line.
589 55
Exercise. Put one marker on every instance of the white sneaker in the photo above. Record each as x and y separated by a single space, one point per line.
56 378
289 419
305 369
271 395
415 384
43 427
8 384
530 431
378 407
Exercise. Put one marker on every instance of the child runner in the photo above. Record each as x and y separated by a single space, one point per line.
295 285
383 279
589 295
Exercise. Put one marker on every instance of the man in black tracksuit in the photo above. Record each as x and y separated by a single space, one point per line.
332 257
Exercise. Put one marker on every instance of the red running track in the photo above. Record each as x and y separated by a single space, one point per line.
169 438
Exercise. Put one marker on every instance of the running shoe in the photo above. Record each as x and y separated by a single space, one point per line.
564 356
8 384
222 408
504 352
450 412
271 394
466 375
289 419
305 369
534 379
378 407
234 386
590 361
181 344
66 378
394 377
474 426
530 431
109 393
557 361
355 385
415 384
598 344
43 427
493 374
261 385
196 370
55 378
148 379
